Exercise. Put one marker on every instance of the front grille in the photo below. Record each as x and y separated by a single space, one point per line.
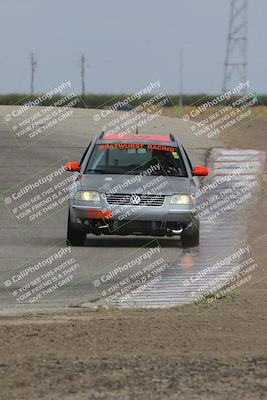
125 199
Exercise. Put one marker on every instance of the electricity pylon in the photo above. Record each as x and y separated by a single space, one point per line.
235 66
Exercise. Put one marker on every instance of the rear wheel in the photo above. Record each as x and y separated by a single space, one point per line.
75 237
190 235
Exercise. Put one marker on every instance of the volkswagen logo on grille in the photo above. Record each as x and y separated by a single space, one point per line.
134 199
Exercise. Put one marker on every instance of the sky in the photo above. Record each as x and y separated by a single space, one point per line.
127 44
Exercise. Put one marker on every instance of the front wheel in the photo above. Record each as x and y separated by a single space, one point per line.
190 235
75 237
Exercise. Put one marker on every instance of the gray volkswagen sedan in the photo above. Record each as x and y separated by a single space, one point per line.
133 184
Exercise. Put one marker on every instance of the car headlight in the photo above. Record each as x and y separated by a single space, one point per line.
87 195
182 199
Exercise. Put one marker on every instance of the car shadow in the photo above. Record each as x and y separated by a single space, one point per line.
117 241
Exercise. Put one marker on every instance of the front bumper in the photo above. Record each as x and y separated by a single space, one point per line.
122 219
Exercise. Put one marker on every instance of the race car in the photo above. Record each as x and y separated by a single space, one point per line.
134 184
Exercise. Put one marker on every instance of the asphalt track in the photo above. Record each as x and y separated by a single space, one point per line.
24 245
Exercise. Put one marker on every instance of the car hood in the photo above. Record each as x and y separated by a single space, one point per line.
130 184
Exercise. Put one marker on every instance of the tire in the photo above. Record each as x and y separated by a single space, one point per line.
75 237
190 235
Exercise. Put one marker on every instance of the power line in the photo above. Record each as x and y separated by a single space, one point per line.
235 66
83 74
33 69
181 79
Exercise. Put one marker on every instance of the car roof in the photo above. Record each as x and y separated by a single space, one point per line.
136 138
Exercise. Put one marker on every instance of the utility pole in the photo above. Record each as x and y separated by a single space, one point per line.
181 80
235 66
83 74
33 69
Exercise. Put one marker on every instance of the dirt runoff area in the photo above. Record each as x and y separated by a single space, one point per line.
202 352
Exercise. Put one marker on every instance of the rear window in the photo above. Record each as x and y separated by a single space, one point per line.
131 158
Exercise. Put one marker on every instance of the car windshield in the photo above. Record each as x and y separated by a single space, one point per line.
121 158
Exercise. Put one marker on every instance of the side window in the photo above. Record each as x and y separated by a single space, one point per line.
188 159
84 154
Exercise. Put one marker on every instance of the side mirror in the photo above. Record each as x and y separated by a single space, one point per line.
201 171
72 166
